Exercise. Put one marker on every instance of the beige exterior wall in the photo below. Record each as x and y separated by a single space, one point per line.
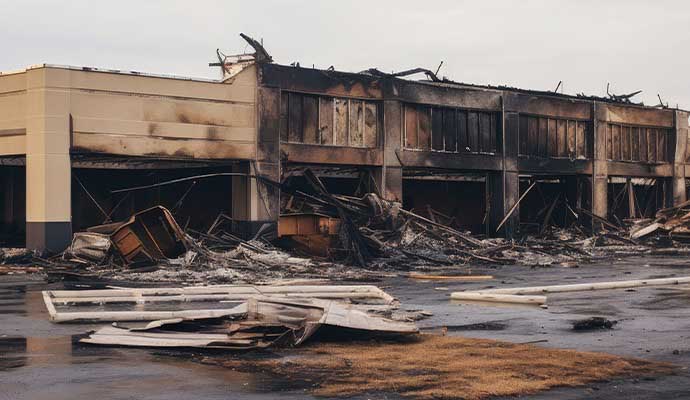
13 114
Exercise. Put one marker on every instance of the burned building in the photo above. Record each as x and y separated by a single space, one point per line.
74 142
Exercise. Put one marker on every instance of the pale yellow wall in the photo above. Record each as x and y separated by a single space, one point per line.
13 114
143 115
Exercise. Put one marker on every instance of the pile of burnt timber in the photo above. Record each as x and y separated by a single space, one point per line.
231 317
671 223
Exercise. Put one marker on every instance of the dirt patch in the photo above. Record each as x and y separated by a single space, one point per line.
433 367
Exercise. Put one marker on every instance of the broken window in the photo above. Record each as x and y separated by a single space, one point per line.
554 137
449 129
329 121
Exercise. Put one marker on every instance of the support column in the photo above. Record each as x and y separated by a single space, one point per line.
600 176
256 202
389 177
504 185
48 170
679 155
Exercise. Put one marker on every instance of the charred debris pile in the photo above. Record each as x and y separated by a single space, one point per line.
376 236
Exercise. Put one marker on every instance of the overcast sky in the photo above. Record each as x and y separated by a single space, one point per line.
634 44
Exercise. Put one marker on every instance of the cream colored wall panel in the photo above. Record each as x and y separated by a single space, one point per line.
43 124
48 178
12 124
204 149
12 145
114 82
162 129
13 82
12 108
125 107
50 143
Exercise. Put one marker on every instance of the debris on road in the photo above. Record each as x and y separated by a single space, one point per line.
593 323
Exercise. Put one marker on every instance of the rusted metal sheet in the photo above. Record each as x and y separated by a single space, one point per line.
148 236
548 106
450 160
307 224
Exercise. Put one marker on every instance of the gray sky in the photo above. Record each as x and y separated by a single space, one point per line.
635 45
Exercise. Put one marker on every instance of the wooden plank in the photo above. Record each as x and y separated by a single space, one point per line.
284 101
473 131
582 287
561 127
532 136
295 118
311 119
341 122
616 138
498 298
635 143
572 138
437 128
651 145
642 132
543 137
495 129
485 132
581 151
356 123
371 124
411 127
609 141
463 140
424 132
552 147
662 151
450 129
523 135
326 121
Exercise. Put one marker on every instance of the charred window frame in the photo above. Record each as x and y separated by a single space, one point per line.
636 143
547 137
450 130
329 121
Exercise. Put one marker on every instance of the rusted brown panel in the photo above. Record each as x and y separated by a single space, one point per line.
421 93
495 130
625 143
268 133
473 131
662 150
466 161
437 129
543 137
356 123
580 139
463 138
616 141
295 118
410 127
651 145
523 135
311 119
450 129
485 133
284 102
572 137
332 83
561 127
424 131
305 153
547 106
552 146
326 120
633 115
635 143
371 124
642 132
341 122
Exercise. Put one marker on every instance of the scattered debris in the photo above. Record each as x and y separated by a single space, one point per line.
593 323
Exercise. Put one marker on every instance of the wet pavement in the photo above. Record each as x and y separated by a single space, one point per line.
41 360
